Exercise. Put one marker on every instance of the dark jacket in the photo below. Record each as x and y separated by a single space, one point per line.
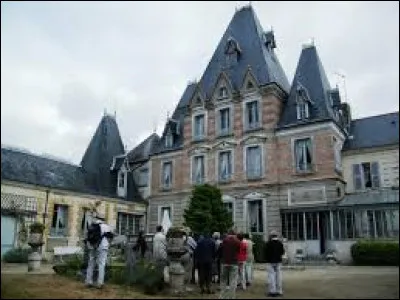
205 250
141 245
230 249
274 251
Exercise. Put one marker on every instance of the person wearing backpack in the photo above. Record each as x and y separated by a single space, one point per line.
98 239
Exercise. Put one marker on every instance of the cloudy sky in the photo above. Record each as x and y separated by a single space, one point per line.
63 64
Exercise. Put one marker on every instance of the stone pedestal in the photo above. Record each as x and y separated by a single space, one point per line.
34 260
175 250
35 257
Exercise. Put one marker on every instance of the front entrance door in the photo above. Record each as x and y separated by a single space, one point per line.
7 233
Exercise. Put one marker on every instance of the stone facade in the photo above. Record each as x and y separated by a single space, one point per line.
75 203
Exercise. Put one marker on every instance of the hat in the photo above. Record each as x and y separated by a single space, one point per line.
216 235
100 216
273 233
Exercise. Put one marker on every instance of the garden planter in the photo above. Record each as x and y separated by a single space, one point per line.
176 249
35 258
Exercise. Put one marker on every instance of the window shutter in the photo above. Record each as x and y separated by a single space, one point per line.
357 180
375 177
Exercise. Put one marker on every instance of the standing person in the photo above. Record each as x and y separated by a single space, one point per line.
160 248
250 260
229 265
98 241
274 251
141 245
194 238
242 258
205 253
217 259
188 257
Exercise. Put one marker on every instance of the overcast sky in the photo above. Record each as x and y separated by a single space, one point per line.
63 63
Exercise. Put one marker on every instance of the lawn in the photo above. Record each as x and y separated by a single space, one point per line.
339 283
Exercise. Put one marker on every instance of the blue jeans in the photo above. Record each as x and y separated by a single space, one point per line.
98 256
274 274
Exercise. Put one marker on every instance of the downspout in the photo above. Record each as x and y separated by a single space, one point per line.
45 216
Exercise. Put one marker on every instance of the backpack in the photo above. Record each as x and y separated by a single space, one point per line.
94 236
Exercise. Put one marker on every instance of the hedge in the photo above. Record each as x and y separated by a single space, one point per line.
16 255
375 253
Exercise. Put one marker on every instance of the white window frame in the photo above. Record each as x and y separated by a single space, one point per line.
121 190
313 157
140 171
303 110
192 166
160 210
259 105
218 120
217 161
129 215
196 114
163 163
263 167
169 140
224 95
253 197
229 199
55 231
337 148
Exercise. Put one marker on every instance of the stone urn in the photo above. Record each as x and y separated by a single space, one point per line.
331 257
175 250
35 241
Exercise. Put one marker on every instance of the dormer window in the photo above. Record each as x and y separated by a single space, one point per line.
302 111
232 51
250 85
169 140
303 103
121 188
222 92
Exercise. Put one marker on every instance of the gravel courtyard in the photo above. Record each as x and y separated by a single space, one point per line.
316 283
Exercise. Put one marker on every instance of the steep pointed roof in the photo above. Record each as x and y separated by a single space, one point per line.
105 144
311 76
246 30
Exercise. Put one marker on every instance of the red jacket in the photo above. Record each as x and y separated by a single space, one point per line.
242 254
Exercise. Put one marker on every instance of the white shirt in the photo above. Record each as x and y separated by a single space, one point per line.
160 246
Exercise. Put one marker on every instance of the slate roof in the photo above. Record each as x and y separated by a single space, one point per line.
376 131
143 151
97 160
92 177
311 75
246 30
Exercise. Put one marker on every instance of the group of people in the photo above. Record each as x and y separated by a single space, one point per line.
227 260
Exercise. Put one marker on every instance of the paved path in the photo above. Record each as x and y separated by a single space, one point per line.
23 269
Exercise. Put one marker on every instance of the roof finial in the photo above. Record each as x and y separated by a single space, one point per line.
154 126
105 111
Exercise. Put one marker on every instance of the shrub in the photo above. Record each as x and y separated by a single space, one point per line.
16 255
375 253
149 276
259 249
37 227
